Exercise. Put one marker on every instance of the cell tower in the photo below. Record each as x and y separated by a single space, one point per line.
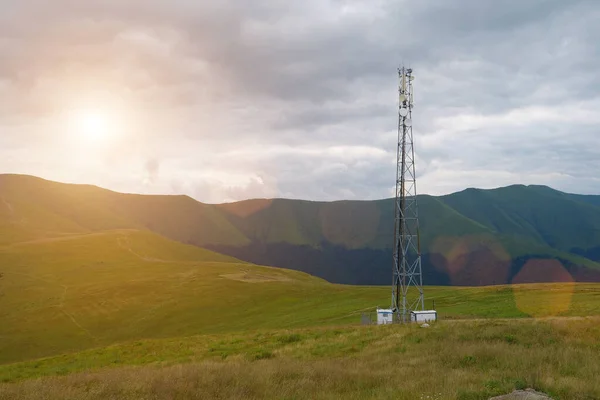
407 290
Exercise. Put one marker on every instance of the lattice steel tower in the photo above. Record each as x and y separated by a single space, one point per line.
407 291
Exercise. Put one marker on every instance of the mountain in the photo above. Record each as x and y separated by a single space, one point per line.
31 208
473 237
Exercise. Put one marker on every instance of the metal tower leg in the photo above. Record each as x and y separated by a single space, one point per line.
407 293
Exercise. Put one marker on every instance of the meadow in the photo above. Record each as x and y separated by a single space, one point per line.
449 360
130 314
95 290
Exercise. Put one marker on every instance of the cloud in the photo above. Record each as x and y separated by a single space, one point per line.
228 100
152 170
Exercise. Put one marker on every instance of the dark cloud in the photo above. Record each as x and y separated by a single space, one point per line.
260 99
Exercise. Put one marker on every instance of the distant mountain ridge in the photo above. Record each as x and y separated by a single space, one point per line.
473 237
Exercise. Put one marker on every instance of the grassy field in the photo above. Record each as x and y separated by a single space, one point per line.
95 290
129 314
450 360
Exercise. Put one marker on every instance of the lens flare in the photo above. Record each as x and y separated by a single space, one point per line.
548 300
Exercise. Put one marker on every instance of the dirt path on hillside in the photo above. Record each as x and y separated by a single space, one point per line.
123 243
61 306
255 277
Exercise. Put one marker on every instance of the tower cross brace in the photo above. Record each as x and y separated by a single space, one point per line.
407 290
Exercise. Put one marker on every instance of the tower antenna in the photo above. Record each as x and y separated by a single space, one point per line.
407 289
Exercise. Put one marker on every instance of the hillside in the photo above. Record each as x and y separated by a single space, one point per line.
32 208
548 216
88 290
474 237
84 291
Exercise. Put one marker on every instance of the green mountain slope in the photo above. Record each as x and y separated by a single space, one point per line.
548 216
474 237
180 218
75 292
467 238
46 208
590 199
351 224
32 208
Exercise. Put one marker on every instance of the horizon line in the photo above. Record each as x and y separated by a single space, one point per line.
283 198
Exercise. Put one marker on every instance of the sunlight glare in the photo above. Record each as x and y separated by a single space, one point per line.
93 124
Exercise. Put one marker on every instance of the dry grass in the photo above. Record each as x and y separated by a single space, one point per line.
466 360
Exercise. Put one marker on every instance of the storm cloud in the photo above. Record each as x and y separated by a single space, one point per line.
227 100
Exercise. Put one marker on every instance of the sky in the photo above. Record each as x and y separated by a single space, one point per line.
234 99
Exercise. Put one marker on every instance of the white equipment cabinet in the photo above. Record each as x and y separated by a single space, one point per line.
423 316
384 316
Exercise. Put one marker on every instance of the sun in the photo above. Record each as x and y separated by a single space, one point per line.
95 124
92 124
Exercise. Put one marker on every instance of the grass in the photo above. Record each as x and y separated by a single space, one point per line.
129 314
450 360
90 313
95 290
